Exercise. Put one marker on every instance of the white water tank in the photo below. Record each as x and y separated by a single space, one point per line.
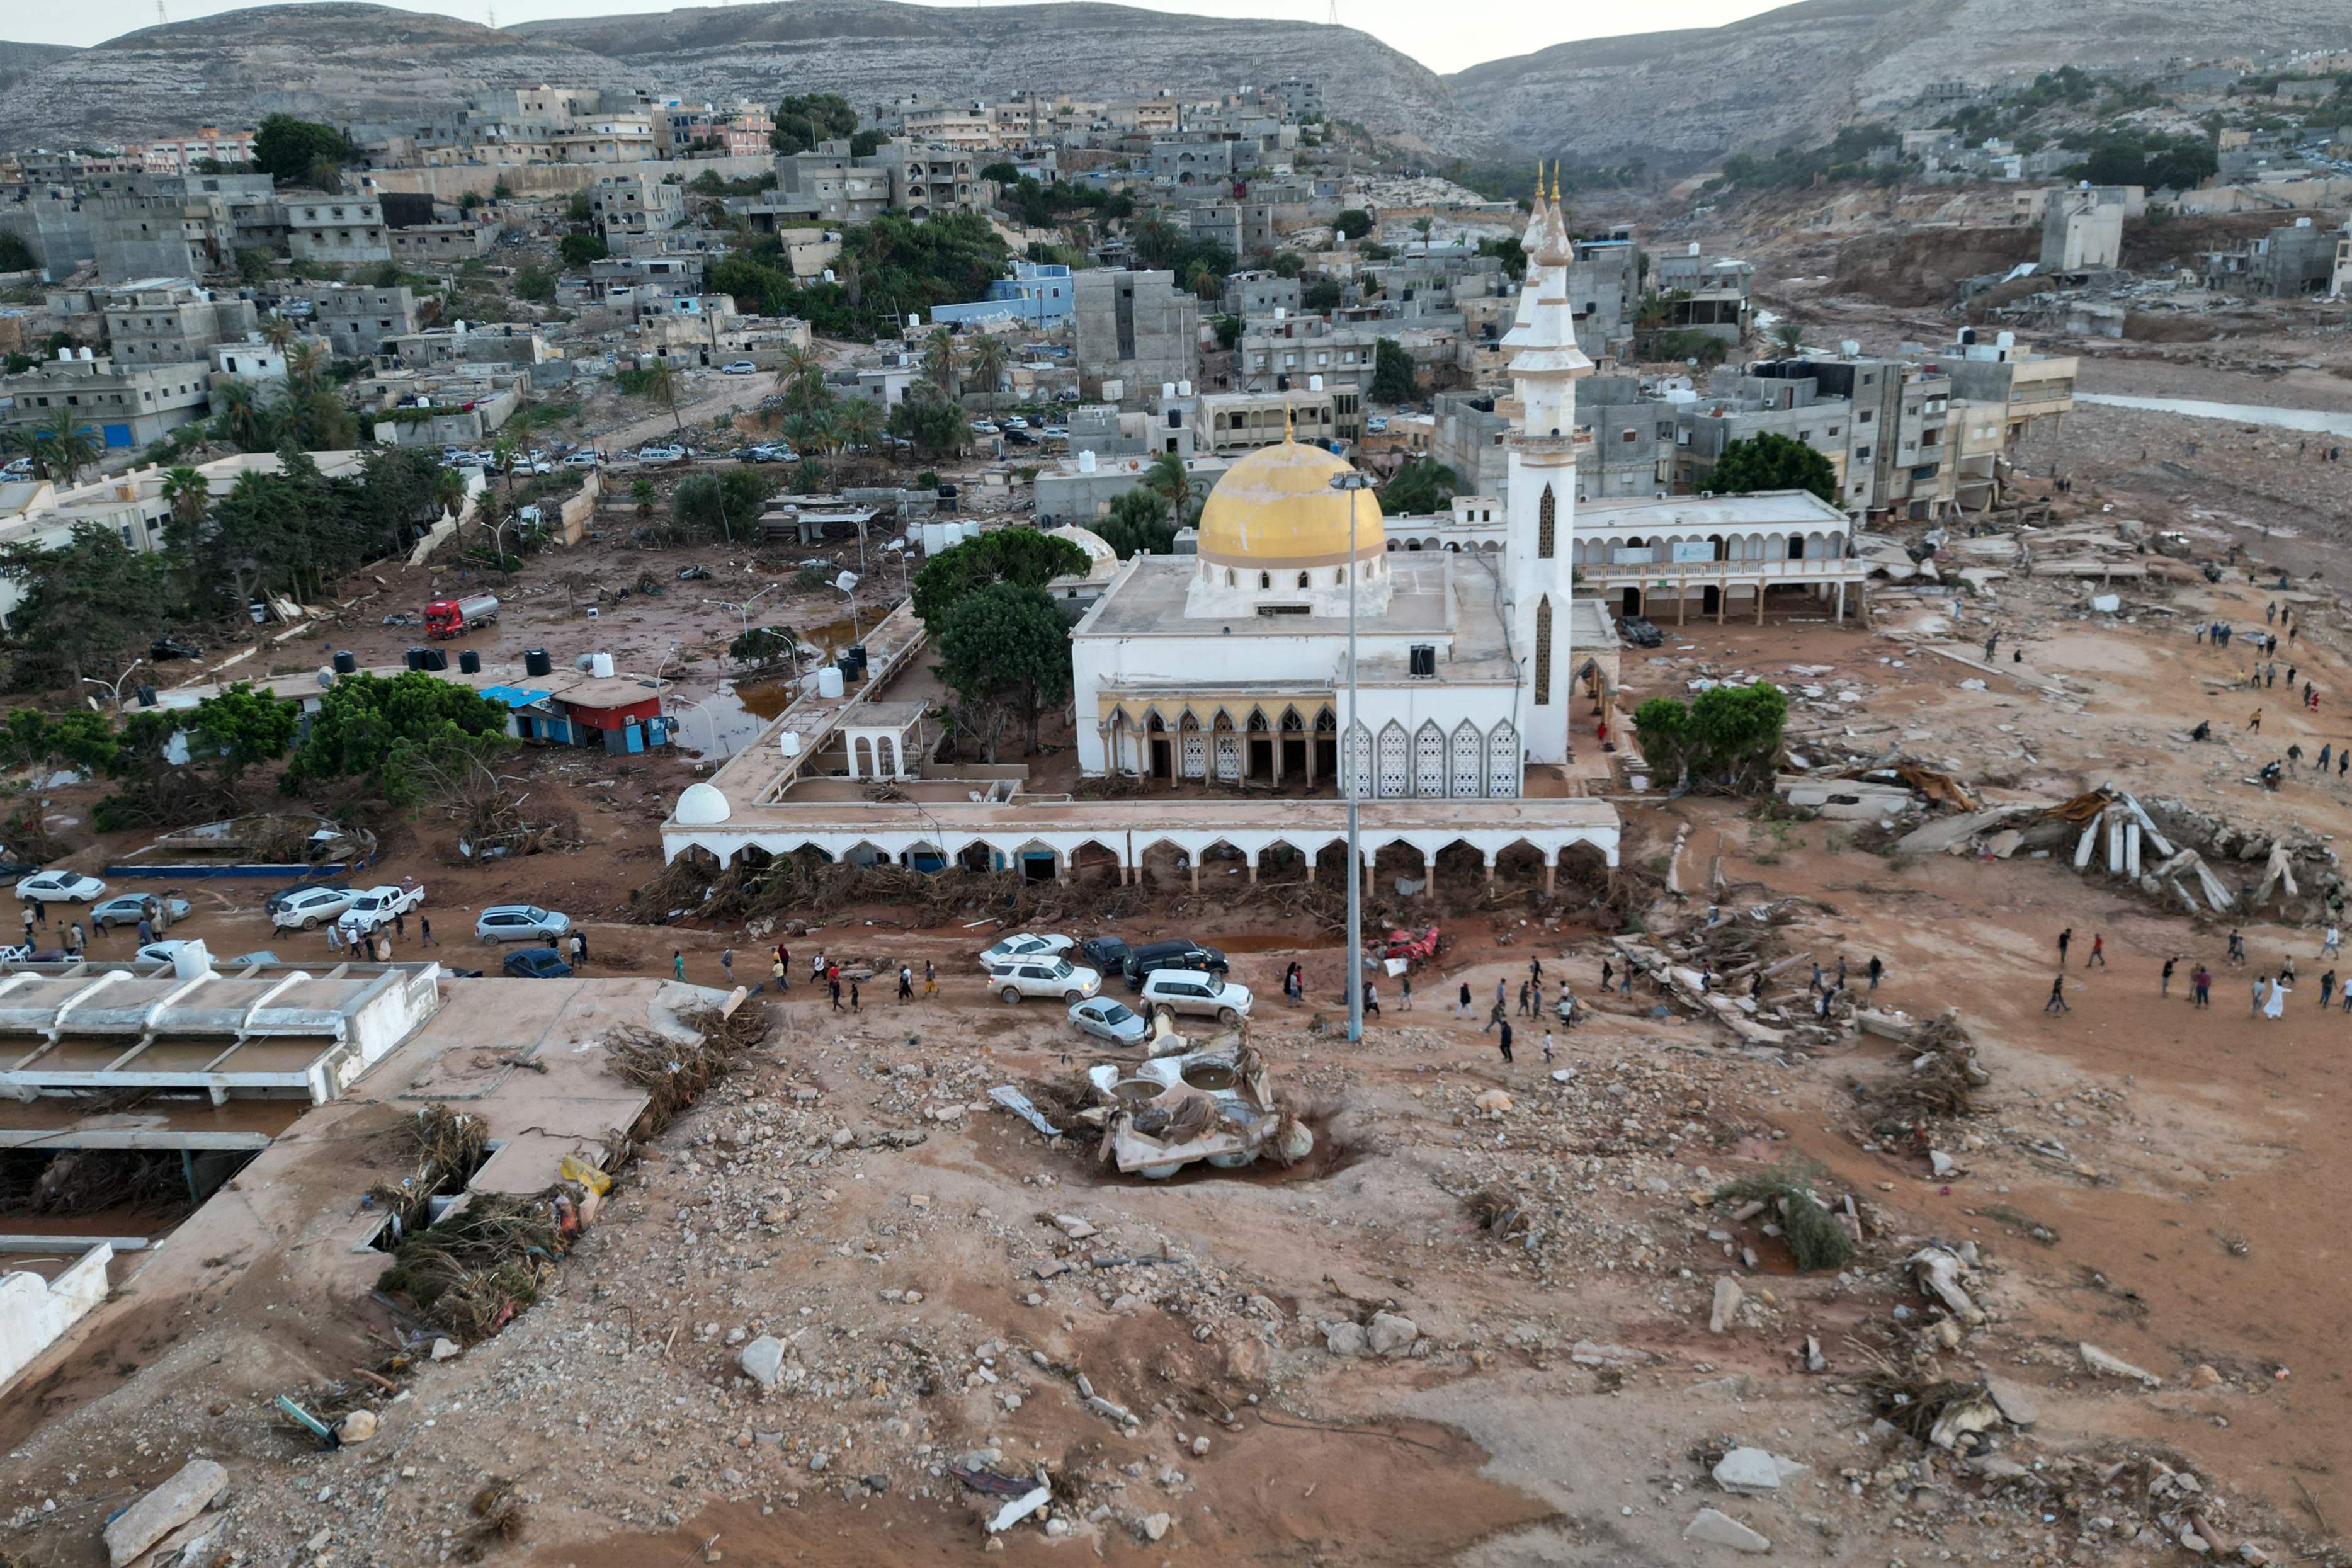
1167 390
1086 461
1184 389
600 664
190 960
792 739
828 682
1314 384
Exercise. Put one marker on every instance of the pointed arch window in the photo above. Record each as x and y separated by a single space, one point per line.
1546 525
1543 651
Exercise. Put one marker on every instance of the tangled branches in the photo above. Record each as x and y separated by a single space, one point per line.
673 1073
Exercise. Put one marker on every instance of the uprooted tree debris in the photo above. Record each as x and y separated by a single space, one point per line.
1720 963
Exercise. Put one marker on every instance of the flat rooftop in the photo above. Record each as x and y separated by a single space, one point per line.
1763 509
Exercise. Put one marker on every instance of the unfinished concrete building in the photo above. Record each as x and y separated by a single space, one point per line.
2083 229
1135 331
2284 264
170 323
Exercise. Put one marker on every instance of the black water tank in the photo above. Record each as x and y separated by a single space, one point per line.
470 662
146 697
1424 661
857 653
848 667
346 662
536 663
434 658
414 658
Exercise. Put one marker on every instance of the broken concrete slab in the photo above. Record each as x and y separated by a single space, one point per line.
1019 1509
179 1499
1584 1353
2017 1404
1747 1472
2108 1365
1345 1339
1722 1529
1728 1297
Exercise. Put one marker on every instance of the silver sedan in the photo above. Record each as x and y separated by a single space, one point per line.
1107 1018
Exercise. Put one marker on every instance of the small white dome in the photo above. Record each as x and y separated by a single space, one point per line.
702 806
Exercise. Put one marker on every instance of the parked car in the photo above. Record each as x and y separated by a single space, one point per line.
279 898
1014 421
738 367
1640 631
1108 954
1196 991
129 908
1107 1018
983 428
1377 425
1056 432
305 909
377 906
1153 956
1043 975
535 964
60 888
163 649
166 951
661 454
520 923
258 955
1024 945
586 459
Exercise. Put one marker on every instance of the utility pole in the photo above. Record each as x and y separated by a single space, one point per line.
1354 482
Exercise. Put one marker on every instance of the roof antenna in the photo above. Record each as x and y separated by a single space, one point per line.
161 20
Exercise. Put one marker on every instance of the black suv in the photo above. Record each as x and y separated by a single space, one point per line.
1151 955
1105 953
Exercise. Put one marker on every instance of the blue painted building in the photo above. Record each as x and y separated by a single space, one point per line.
1037 292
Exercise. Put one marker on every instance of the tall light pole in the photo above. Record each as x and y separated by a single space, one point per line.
1353 483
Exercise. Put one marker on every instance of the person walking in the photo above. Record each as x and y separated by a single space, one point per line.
1502 995
2255 1005
833 985
2237 947
2327 756
780 975
2326 989
1405 993
2164 986
28 923
1534 973
2255 723
1546 1048
930 979
1505 1041
2201 986
74 938
2275 1008
1609 972
905 983
2331 943
1497 1017
1465 1000
2057 1003
678 963
579 951
1527 1007
400 923
727 962
582 933
425 935
2065 940
853 1006
2098 951
817 968
1990 643
335 937
1877 969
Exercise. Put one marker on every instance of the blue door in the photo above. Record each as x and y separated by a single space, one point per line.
634 738
117 435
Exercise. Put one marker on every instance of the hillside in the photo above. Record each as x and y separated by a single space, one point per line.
1679 99
350 62
874 51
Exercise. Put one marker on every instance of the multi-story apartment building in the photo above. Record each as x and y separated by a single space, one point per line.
355 320
1233 422
128 405
343 230
2008 376
170 323
1135 331
180 154
634 204
1285 356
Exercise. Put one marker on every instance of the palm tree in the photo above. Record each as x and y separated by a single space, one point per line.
304 360
277 333
503 453
1790 335
1203 280
797 360
1167 480
448 491
60 446
989 361
642 494
859 422
816 431
939 361
190 497
660 383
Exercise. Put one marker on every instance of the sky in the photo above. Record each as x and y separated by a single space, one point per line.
1443 38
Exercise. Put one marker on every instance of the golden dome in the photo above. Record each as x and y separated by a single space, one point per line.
1277 508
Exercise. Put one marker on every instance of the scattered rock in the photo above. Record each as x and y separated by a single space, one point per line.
1075 1228
1584 1353
2108 1365
2203 1376
1493 1099
2015 1401
1391 1334
444 1349
1155 1525
179 1499
1747 1472
356 1427
1345 1339
1722 1529
1728 1297
763 1360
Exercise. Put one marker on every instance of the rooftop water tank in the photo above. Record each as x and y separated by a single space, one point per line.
601 666
828 682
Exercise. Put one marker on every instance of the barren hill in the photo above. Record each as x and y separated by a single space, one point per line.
350 62
1681 98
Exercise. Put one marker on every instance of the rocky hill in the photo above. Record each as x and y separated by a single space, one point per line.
349 62
1679 99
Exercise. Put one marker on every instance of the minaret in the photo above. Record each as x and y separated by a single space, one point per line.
1545 365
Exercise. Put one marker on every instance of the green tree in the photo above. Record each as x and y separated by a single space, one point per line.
1003 173
991 361
657 383
727 504
1729 737
535 283
1353 224
1167 480
1135 524
1322 296
1512 254
83 606
238 730
763 645
293 151
803 119
578 207
16 255
1772 462
379 732
1004 651
1790 335
60 446
1393 375
579 249
1019 557
1421 489
1229 332
938 429
942 362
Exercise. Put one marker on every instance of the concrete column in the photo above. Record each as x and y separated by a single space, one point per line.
1490 871
852 749
1196 873
1277 749
1253 869
1551 875
1841 604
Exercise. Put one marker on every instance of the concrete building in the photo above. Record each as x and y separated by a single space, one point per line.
2082 230
343 230
442 244
50 222
1739 408
355 320
834 187
634 204
1234 423
1632 447
128 406
170 322
1041 294
1081 488
1714 293
1135 331
1253 295
2298 260
1470 439
180 154
2022 385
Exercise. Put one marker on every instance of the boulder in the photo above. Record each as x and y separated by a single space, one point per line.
1391 1334
356 1427
1747 1472
763 1360
1155 1525
179 1499
1728 1297
1722 1529
1345 1339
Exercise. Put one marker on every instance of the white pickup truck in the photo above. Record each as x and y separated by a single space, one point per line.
379 904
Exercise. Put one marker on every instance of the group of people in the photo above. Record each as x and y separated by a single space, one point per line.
2267 993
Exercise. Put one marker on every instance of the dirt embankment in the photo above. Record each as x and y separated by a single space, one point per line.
1925 266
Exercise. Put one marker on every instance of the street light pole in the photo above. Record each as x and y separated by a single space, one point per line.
1353 482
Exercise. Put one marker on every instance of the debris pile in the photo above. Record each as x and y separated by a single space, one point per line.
1720 963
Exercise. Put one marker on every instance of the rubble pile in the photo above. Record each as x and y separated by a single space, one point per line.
1717 964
